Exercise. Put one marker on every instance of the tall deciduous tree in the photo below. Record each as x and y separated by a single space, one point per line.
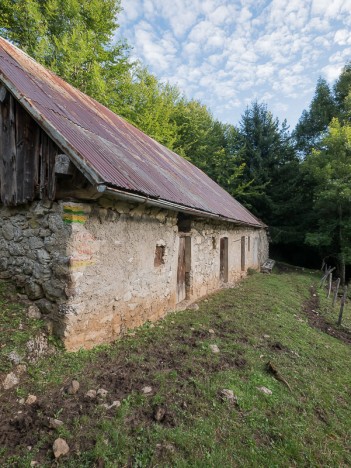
150 105
74 38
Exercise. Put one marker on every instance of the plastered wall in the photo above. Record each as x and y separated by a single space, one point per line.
91 269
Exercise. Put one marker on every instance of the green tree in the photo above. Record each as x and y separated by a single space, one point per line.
266 149
342 89
150 105
313 123
74 38
211 145
330 168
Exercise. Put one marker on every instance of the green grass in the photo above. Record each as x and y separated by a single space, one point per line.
309 426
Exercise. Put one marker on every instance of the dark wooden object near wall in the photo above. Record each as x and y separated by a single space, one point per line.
243 259
27 155
223 259
181 286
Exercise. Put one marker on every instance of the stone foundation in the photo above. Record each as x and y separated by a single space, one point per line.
99 269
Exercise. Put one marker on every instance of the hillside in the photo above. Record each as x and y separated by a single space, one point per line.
164 403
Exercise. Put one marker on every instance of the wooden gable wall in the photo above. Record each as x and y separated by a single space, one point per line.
27 155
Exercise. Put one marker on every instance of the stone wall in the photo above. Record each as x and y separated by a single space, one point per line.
33 243
98 269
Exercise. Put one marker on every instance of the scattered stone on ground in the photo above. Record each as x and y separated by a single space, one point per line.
38 347
159 413
22 401
11 380
31 399
21 369
73 387
60 447
266 336
265 390
146 390
91 394
33 312
168 447
115 404
193 306
14 357
228 395
211 331
102 392
214 348
55 423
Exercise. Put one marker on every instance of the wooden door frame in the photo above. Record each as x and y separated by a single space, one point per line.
223 259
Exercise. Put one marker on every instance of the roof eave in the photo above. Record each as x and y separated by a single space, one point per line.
165 204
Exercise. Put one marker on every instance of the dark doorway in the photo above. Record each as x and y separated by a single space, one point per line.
184 267
243 260
224 259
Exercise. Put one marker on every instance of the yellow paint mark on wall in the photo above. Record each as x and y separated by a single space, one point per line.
74 213
76 263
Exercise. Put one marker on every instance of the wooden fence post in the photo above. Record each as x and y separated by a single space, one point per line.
343 300
329 271
330 284
336 291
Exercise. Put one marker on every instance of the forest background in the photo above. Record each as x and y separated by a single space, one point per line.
298 182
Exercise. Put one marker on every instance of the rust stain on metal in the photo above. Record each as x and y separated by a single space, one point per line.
117 153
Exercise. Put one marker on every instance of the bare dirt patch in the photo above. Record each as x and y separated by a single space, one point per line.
122 375
316 320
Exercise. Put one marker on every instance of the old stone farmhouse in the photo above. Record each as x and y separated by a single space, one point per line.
100 225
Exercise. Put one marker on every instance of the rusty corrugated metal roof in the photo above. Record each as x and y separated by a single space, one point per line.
112 151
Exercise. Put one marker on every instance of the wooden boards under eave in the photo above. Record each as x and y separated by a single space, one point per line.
27 155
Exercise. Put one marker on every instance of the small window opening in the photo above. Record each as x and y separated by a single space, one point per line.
248 243
214 243
183 223
159 255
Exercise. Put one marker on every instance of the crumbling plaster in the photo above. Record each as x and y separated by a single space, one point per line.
90 266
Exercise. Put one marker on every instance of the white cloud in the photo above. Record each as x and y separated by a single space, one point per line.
229 51
342 37
132 10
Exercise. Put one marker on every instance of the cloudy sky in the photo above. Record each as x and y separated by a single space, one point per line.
227 53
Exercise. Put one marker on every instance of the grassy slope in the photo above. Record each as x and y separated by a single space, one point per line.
309 426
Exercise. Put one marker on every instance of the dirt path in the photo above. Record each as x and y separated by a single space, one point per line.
316 320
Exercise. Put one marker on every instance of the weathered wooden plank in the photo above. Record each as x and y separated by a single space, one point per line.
48 153
27 156
8 151
27 136
53 152
3 93
21 149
